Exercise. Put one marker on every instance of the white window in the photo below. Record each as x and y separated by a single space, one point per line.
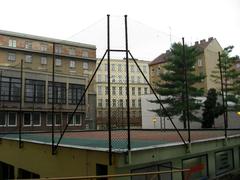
43 60
44 47
133 90
12 119
139 79
99 90
12 43
72 51
28 45
120 102
114 103
144 68
27 118
85 53
36 119
120 78
99 102
199 63
58 49
145 90
57 119
76 119
132 68
106 102
133 103
28 58
58 62
85 65
113 90
120 91
11 56
72 64
113 67
139 90
119 67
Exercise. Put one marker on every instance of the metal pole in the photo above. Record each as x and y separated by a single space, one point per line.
226 91
109 93
53 98
186 91
223 100
128 97
20 105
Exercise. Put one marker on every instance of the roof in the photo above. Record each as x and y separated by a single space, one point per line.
46 39
202 44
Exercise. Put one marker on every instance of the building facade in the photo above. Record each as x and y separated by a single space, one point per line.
27 90
206 63
137 87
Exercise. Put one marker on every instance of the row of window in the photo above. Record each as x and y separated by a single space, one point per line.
34 91
44 47
43 60
121 79
122 90
119 103
9 119
122 67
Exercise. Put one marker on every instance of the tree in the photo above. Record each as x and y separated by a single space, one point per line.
231 81
211 110
173 82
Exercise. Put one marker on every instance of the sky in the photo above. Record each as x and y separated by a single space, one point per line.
152 24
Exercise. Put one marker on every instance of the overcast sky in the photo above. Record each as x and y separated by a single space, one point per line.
150 22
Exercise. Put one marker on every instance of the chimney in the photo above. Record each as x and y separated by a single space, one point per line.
196 43
202 41
210 39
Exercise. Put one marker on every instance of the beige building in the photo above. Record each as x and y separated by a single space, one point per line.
138 87
74 63
206 63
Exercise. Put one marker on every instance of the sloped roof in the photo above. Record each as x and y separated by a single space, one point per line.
162 58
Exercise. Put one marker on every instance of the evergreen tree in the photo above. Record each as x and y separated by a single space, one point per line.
211 110
231 81
172 84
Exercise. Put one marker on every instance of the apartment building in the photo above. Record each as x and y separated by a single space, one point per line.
137 87
205 64
74 63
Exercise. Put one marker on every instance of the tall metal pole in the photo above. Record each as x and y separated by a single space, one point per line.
226 91
223 99
20 105
186 91
109 93
128 97
53 97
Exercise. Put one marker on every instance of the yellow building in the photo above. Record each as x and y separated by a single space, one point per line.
74 62
138 86
206 63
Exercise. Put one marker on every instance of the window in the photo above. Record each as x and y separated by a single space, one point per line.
120 102
43 60
145 90
139 102
76 119
114 103
133 90
12 43
100 103
12 119
44 47
120 78
85 65
2 119
28 45
72 51
59 93
75 93
58 62
113 67
224 161
99 90
144 69
28 58
132 79
132 68
119 67
113 78
57 119
85 53
120 91
133 103
199 63
106 102
139 79
11 56
34 91
72 64
106 90
36 119
139 90
113 90
99 78
27 119
58 49
10 89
